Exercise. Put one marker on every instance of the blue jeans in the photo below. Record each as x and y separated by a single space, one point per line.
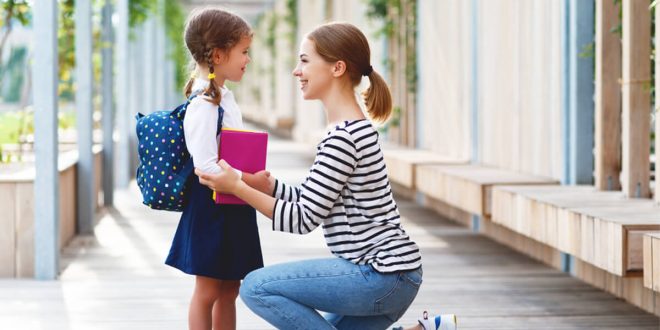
290 295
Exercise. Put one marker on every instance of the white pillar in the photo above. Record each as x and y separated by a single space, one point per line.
107 106
148 44
122 83
161 60
46 183
84 110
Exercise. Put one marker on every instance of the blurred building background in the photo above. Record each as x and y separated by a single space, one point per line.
532 122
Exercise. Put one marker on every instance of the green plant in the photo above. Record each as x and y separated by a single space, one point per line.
379 10
174 20
12 11
395 120
66 50
291 18
12 75
389 12
140 10
272 47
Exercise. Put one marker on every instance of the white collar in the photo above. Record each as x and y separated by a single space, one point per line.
202 84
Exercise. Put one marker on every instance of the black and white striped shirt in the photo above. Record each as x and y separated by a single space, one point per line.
347 192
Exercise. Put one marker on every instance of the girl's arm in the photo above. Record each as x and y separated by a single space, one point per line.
199 128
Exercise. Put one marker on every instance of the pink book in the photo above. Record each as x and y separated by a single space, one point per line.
244 150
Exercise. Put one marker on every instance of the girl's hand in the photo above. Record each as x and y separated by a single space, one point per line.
225 182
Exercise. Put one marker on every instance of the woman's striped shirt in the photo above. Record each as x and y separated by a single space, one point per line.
347 192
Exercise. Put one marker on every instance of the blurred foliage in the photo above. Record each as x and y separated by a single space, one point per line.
140 10
291 18
12 75
12 11
14 126
271 33
389 12
174 21
15 122
379 10
173 18
66 46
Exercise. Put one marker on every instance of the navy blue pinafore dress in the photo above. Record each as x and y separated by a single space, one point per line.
215 240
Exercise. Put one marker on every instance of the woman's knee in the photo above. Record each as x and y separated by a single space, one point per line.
247 288
252 286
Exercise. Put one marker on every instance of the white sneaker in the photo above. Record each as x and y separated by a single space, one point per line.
439 322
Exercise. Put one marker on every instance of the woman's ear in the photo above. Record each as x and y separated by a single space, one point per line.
338 69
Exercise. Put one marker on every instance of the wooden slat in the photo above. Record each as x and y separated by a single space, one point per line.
25 229
587 239
608 97
68 211
652 261
635 250
648 261
469 187
8 232
656 264
636 98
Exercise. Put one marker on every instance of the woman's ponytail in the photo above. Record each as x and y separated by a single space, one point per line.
378 98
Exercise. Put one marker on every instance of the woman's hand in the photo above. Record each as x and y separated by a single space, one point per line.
261 181
229 182
225 182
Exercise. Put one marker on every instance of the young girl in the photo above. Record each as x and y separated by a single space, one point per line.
377 268
219 244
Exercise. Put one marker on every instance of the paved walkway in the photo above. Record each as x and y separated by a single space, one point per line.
117 279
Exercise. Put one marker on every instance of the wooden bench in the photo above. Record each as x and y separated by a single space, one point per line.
602 228
468 187
17 201
402 163
651 242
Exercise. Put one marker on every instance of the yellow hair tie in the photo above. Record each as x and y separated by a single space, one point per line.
193 75
211 76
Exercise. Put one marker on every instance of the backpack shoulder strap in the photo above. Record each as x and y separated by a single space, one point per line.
221 114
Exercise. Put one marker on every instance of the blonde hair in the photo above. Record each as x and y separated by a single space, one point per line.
345 42
208 29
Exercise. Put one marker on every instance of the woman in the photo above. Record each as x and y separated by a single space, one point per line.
376 270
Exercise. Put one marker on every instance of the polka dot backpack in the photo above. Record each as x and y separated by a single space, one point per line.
165 164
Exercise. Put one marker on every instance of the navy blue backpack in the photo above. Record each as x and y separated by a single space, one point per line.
165 164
